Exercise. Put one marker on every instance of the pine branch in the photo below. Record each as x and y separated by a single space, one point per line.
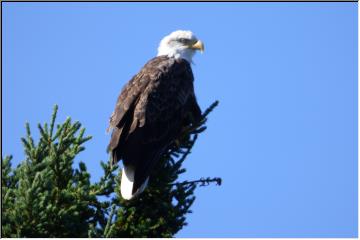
49 196
201 182
107 229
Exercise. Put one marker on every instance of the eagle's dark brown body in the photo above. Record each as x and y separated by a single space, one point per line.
150 113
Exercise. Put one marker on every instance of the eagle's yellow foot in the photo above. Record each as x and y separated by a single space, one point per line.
177 143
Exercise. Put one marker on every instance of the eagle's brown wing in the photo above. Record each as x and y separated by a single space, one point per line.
150 113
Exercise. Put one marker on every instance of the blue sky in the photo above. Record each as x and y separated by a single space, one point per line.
283 139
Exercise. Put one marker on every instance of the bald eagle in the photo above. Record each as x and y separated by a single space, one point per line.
152 109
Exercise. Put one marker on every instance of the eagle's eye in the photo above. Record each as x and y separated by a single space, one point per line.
184 41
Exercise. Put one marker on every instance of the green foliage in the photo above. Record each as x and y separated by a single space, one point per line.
45 196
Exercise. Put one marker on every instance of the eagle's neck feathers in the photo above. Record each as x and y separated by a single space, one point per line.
176 52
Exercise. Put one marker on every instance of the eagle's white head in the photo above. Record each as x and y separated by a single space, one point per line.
180 44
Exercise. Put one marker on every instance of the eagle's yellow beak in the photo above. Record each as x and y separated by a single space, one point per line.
199 45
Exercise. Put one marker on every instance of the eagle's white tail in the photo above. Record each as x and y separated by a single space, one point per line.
127 183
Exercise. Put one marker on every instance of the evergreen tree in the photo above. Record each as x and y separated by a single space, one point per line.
45 196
